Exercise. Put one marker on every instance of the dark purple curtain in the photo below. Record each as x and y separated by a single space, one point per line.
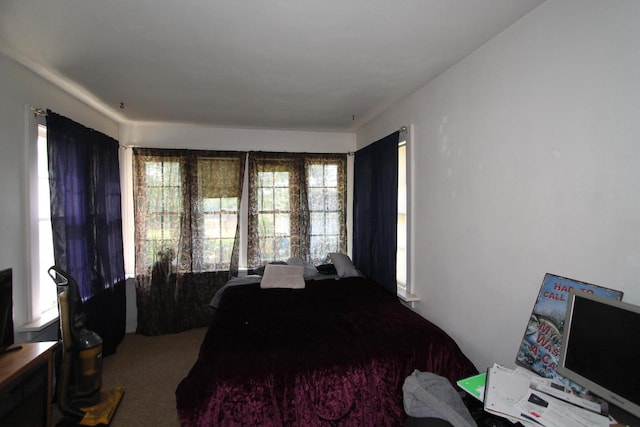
86 217
375 211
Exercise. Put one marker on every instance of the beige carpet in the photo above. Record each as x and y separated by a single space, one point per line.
149 369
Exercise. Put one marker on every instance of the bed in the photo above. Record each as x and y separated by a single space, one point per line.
334 353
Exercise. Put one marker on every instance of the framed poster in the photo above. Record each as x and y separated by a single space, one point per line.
540 347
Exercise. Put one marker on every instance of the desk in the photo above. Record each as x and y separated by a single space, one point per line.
26 384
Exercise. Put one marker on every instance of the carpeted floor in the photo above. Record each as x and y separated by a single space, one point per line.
149 369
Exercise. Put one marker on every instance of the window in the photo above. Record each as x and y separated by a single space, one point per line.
219 212
401 252
297 206
274 214
325 209
43 291
48 294
163 208
186 209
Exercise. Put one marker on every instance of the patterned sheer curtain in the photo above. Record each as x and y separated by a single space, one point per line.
297 206
326 188
187 211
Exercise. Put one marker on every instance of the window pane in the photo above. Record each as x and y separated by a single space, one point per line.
282 224
265 179
281 179
226 247
331 197
331 243
265 199
281 199
317 249
44 204
332 224
153 173
267 248
266 225
331 175
210 205
315 174
228 225
210 251
229 204
317 223
212 226
171 174
160 199
316 199
283 248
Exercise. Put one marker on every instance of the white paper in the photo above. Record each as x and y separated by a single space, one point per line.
509 394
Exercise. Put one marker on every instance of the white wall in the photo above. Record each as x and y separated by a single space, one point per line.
528 154
173 135
19 89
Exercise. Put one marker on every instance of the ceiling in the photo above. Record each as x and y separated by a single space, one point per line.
328 65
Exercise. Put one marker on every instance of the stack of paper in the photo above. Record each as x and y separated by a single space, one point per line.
509 393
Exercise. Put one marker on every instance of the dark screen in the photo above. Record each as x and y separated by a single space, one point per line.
6 309
604 347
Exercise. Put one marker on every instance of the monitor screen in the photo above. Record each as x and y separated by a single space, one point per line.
601 348
6 309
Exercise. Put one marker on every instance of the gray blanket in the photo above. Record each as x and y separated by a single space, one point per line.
429 395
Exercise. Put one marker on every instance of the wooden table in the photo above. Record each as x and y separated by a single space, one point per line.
26 379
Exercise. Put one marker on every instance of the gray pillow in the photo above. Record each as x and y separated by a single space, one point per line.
309 270
260 270
344 265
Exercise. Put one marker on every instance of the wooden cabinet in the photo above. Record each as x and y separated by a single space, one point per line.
26 379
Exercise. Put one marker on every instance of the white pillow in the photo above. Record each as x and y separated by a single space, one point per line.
344 265
282 276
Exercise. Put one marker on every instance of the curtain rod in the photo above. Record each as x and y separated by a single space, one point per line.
38 111
402 129
43 112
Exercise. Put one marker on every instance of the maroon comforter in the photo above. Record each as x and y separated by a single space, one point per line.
334 353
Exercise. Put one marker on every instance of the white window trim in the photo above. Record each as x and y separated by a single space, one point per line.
408 295
36 318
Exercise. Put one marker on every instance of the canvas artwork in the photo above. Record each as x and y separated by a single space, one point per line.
540 347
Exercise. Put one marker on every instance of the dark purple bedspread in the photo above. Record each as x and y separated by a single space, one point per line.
334 353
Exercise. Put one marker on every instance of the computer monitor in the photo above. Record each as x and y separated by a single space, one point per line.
601 348
6 309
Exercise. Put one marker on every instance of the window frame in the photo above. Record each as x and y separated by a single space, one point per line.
297 164
38 315
273 167
340 211
405 138
192 190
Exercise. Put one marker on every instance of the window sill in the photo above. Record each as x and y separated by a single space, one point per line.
47 319
407 296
